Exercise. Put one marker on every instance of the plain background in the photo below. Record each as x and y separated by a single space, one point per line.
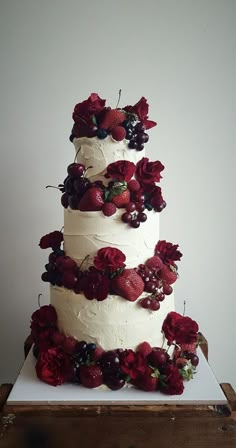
180 55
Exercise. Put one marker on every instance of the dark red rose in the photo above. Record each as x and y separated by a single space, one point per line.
52 240
109 259
95 285
148 172
132 363
53 366
172 383
168 252
141 110
170 324
121 170
155 198
92 106
186 331
43 326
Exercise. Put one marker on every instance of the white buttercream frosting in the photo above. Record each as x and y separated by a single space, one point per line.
86 232
99 153
111 323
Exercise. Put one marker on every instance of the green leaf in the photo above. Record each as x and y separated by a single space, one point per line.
94 120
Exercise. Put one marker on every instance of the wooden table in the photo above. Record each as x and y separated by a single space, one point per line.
118 426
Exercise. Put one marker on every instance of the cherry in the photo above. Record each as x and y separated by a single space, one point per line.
64 200
69 279
150 286
130 207
161 296
135 223
76 169
114 383
142 217
167 290
145 302
154 305
66 263
126 217
158 357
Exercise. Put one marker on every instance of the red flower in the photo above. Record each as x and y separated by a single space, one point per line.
43 326
95 285
173 381
92 106
186 331
109 259
148 172
132 364
141 110
168 252
121 170
181 329
53 366
169 326
52 240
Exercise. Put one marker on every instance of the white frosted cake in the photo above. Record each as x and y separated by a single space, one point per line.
111 294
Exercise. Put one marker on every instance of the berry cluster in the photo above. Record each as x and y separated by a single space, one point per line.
75 185
154 283
62 359
135 214
135 133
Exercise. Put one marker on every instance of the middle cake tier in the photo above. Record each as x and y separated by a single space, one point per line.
87 232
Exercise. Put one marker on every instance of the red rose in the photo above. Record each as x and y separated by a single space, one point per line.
109 259
43 326
186 331
95 285
92 106
132 363
169 326
121 170
53 366
52 240
148 172
168 252
141 110
172 383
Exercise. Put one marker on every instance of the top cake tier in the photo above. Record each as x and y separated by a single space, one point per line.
96 154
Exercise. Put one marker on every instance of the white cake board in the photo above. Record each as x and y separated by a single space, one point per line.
28 389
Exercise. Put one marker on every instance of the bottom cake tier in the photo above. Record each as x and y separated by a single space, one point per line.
110 324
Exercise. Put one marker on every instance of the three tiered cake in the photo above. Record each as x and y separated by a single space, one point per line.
111 317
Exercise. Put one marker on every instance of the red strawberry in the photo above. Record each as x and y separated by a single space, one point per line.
146 381
108 209
144 348
167 274
118 133
120 200
92 200
70 345
154 263
90 376
113 118
128 285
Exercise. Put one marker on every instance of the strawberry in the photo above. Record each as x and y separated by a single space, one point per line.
70 345
168 274
144 348
90 376
108 209
148 381
118 133
112 118
128 285
92 200
154 263
120 200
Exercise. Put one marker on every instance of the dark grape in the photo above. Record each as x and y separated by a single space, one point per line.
114 383
69 186
126 217
135 223
132 144
101 133
142 217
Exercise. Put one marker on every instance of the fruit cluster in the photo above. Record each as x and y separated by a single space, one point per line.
93 119
61 359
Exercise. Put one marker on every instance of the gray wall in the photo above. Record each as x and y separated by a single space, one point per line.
181 56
